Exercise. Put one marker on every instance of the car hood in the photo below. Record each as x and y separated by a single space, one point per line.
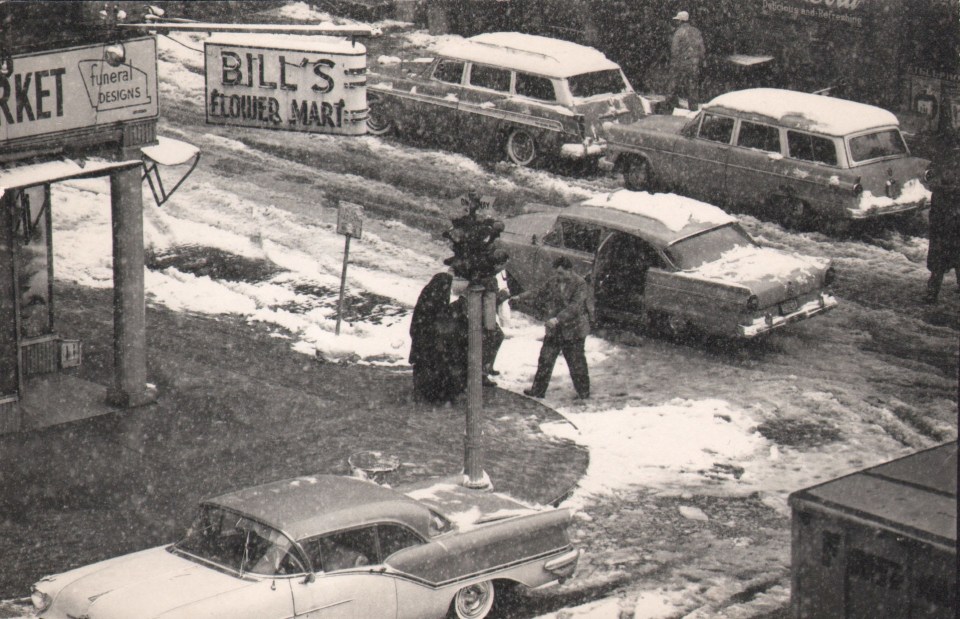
770 274
144 584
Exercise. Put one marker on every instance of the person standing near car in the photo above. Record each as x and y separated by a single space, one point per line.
687 55
565 299
943 252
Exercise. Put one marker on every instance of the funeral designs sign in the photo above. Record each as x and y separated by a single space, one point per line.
79 88
313 84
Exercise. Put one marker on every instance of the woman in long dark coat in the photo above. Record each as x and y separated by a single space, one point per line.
944 249
436 334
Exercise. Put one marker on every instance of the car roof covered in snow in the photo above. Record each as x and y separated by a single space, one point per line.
307 506
662 219
804 111
528 52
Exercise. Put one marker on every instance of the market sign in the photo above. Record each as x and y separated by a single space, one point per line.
836 11
314 84
78 88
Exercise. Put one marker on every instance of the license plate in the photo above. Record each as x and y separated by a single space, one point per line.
788 306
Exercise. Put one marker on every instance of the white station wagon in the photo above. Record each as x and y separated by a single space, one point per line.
526 96
801 158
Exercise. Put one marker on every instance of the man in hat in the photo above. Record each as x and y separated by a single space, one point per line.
687 54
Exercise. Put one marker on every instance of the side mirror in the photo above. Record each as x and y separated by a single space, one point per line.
311 577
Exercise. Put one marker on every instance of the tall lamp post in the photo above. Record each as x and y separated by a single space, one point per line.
475 258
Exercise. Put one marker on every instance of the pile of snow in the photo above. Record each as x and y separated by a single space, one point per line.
913 191
673 211
748 263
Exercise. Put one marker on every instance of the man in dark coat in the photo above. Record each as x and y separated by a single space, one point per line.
438 343
565 299
687 53
944 250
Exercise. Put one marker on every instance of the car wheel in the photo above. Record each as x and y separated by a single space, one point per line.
378 122
636 174
521 147
472 602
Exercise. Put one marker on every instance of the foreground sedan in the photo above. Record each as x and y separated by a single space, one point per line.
327 546
668 262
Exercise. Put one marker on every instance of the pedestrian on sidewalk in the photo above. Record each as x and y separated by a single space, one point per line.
436 337
565 299
493 335
943 252
687 59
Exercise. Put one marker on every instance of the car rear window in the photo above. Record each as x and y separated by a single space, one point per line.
761 137
607 82
695 251
811 148
493 78
716 128
887 143
535 87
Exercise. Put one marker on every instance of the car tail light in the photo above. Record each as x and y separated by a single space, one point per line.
927 175
829 276
582 125
753 303
857 187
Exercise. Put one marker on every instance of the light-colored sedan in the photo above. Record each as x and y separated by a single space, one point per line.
670 262
327 547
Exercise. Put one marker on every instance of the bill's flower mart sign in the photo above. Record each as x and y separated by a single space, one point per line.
316 84
78 88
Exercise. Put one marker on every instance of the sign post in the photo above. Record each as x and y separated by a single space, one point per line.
349 224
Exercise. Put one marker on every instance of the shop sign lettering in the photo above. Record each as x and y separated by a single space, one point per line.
838 11
318 91
56 92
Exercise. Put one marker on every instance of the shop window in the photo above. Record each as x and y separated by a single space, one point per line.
761 137
535 87
716 128
493 78
448 71
811 148
579 237
34 260
874 569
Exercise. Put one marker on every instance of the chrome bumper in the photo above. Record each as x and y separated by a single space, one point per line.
883 211
764 324
584 150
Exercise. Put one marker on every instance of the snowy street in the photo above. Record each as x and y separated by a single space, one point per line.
694 444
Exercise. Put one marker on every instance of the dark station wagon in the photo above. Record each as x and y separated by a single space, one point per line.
527 96
668 262
803 158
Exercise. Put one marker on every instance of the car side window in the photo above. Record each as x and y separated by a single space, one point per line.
760 137
716 128
580 237
448 71
394 537
493 78
535 87
343 550
811 148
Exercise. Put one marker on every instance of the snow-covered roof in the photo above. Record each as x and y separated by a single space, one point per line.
807 111
673 211
300 43
528 52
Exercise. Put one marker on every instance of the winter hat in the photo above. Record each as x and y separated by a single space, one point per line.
682 16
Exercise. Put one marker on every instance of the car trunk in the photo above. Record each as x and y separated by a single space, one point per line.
875 176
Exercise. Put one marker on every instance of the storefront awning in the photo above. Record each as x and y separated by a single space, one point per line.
60 169
167 152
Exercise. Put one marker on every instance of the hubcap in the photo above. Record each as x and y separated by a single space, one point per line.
473 601
522 148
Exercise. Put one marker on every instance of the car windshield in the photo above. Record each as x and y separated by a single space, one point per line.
595 83
236 542
695 251
888 143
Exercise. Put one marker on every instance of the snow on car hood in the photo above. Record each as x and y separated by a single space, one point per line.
143 585
757 268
